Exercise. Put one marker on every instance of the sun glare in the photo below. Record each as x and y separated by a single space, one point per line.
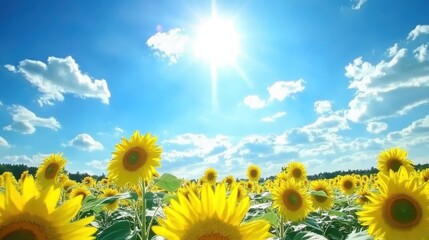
218 42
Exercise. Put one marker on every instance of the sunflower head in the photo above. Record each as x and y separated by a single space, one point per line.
110 192
292 200
210 176
88 181
400 210
324 203
362 196
424 175
296 170
49 171
253 173
134 160
34 215
393 159
79 191
229 180
214 215
348 184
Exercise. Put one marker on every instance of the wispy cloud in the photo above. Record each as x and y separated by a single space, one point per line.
274 117
4 143
254 101
376 127
26 122
357 4
60 76
85 142
417 31
99 164
421 53
33 161
169 44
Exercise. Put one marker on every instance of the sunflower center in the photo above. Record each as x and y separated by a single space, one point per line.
292 200
229 181
394 165
348 184
425 178
402 211
210 176
22 231
254 173
296 173
51 170
212 229
213 236
134 159
320 199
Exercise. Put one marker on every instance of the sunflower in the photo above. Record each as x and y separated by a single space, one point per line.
210 176
347 184
229 180
89 181
241 192
324 203
363 194
67 186
292 200
33 214
213 216
297 171
253 173
48 172
424 175
8 176
80 190
393 159
110 192
134 160
400 210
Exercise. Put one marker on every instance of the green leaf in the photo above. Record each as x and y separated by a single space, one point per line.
320 193
168 182
363 235
271 217
309 236
118 230
96 204
337 213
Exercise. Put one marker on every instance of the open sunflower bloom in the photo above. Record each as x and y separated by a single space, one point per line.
33 215
213 216
400 210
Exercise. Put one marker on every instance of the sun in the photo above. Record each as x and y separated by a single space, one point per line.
217 41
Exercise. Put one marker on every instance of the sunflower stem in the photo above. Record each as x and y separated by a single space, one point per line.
143 221
282 224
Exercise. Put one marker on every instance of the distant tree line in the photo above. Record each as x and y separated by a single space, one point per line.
17 169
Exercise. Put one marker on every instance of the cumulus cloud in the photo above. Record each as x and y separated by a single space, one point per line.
417 132
26 122
169 44
282 89
254 101
322 107
357 4
85 142
376 127
387 89
421 53
99 164
32 161
274 117
4 143
418 30
61 76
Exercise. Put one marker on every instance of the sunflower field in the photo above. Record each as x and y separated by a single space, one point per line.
136 202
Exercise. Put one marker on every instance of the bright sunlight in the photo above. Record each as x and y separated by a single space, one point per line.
218 42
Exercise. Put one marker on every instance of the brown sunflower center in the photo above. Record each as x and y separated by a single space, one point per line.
134 159
22 231
51 170
292 200
425 178
402 211
229 181
394 164
348 184
213 236
320 199
253 173
297 173
210 176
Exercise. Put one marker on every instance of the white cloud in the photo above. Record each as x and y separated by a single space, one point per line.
253 101
33 161
388 89
99 164
169 44
61 76
322 107
85 142
421 53
274 117
417 132
4 143
282 89
358 4
10 67
118 131
376 127
393 50
25 121
419 29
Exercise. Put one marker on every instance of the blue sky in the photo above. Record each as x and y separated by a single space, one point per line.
327 83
